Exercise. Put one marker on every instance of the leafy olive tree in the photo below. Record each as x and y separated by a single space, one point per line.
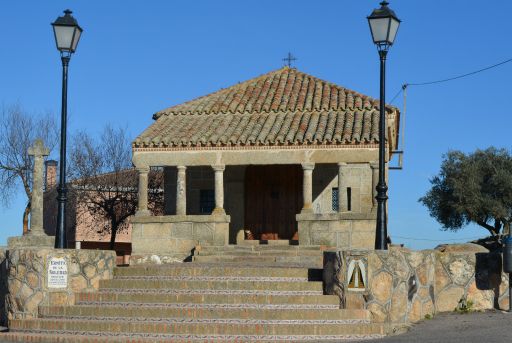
473 188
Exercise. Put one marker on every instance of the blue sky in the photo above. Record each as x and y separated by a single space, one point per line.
137 57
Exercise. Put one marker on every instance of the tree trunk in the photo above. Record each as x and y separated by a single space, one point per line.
25 217
113 233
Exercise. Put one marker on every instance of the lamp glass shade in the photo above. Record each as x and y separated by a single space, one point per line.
393 29
383 25
379 28
67 32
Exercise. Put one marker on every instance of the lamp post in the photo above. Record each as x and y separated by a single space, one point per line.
383 26
67 34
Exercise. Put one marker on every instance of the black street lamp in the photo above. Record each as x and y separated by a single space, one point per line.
383 26
67 34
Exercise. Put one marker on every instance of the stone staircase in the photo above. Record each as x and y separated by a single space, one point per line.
217 298
279 251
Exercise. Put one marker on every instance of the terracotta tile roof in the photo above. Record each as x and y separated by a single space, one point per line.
283 107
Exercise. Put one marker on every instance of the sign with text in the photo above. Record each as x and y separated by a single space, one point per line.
57 272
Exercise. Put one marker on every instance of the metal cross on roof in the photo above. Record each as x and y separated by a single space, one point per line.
289 59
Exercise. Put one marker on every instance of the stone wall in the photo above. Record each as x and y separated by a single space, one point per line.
28 278
342 230
172 238
3 286
358 177
402 286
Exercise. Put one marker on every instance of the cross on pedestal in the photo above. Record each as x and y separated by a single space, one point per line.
289 59
38 151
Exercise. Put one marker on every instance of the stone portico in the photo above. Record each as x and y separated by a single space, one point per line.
284 156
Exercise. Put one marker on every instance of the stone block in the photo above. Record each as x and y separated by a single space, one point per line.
362 240
204 232
323 237
381 287
399 304
182 230
157 230
448 299
343 240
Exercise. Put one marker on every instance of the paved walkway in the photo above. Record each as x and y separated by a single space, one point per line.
480 327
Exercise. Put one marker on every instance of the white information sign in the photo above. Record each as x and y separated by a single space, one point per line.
57 272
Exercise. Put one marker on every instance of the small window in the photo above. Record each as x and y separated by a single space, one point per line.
206 201
335 199
349 199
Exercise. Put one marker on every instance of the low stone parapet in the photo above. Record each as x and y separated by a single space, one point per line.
3 286
51 277
345 230
163 239
401 286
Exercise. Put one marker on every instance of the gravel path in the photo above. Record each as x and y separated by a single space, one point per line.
480 327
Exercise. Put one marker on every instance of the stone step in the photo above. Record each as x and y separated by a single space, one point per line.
199 326
267 252
140 313
213 270
163 285
279 242
304 261
156 298
261 247
102 337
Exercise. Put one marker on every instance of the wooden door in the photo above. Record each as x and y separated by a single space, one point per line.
272 199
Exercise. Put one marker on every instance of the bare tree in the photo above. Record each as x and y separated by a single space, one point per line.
18 131
105 184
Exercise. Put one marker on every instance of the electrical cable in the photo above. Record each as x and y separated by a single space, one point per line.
436 240
405 85
459 76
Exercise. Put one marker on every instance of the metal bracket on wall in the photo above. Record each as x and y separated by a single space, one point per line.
400 166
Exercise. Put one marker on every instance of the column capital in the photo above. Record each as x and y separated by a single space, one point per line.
342 164
374 164
143 170
308 165
181 168
218 167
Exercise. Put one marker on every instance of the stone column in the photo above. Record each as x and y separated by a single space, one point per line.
38 150
307 187
142 208
219 189
181 191
375 180
342 187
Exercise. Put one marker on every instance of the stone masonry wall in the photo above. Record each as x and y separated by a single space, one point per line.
403 286
3 286
172 238
27 277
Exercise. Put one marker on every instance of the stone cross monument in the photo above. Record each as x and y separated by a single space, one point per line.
39 151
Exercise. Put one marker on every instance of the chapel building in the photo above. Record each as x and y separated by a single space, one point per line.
283 156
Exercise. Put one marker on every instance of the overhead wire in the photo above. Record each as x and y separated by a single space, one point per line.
405 85
403 89
436 240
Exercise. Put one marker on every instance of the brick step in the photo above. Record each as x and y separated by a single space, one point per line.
213 278
199 313
305 261
215 269
101 337
211 285
201 327
156 298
